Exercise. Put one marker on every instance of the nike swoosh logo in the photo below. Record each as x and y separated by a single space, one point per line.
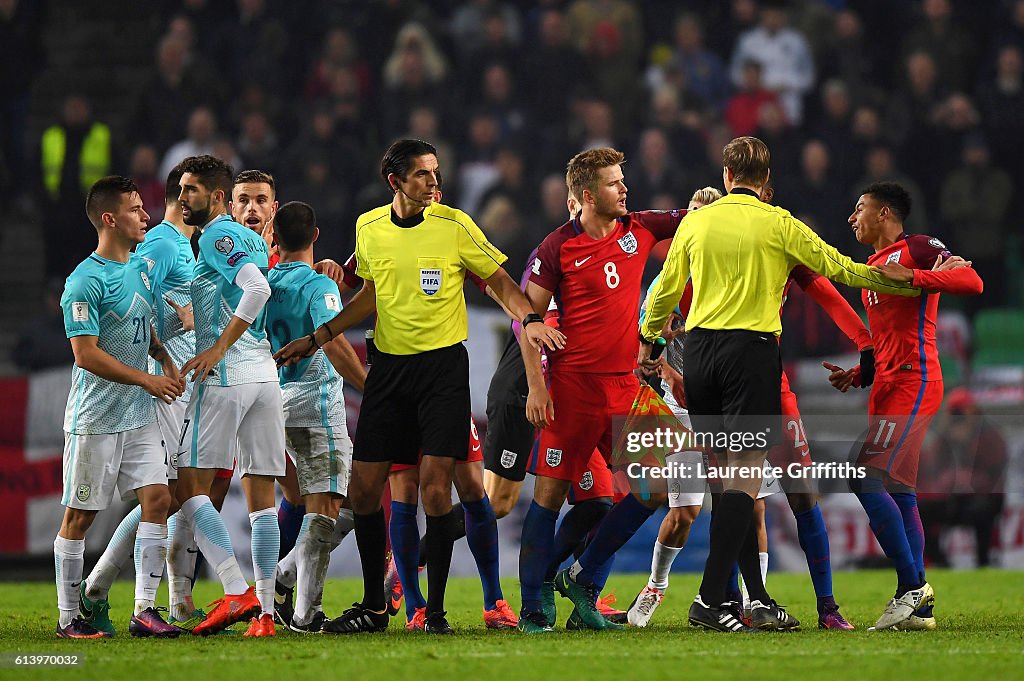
477 448
76 584
191 550
156 576
580 262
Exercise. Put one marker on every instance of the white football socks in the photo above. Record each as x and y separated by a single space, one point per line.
69 563
150 556
661 565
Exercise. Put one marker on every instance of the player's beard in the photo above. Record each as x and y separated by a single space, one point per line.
197 217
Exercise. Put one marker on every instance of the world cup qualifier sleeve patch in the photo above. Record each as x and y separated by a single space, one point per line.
224 244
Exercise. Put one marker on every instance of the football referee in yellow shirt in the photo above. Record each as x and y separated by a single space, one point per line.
738 252
413 255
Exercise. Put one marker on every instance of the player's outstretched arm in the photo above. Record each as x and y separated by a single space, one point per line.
953 275
90 357
539 335
540 410
362 305
346 362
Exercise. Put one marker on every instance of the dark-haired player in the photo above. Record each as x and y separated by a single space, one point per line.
112 439
413 255
907 388
236 409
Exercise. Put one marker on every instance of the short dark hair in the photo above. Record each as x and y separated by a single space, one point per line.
172 190
256 177
105 196
295 225
748 158
398 158
892 195
213 173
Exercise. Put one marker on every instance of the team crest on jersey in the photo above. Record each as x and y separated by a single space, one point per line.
536 265
145 280
332 302
430 281
508 459
673 493
935 243
893 257
84 492
628 243
553 457
79 312
150 263
587 481
225 244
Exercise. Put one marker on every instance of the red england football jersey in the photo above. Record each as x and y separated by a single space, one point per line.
903 329
597 287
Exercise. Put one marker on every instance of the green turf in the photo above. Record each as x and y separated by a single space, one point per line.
981 636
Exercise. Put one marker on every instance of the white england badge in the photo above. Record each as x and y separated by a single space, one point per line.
893 257
628 243
553 457
508 459
587 481
430 281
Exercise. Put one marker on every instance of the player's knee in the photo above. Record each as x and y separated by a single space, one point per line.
801 502
437 500
76 523
469 483
503 504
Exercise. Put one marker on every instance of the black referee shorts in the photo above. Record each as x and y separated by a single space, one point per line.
413 403
733 383
510 437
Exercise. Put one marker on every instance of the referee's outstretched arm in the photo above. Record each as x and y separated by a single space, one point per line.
362 305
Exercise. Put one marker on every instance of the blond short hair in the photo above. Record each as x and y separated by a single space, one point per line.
581 172
705 196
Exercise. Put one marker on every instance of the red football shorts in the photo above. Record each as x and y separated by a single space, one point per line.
584 407
794 447
899 415
596 482
476 452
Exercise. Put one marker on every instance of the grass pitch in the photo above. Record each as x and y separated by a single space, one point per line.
980 636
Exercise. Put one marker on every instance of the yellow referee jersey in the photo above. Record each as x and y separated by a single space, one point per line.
738 252
418 267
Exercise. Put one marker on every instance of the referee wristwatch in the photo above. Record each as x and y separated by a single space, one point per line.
530 319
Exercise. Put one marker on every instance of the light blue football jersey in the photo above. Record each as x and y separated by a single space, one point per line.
114 302
300 301
171 266
224 247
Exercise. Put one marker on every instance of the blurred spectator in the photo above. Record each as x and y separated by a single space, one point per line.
254 42
553 196
42 342
784 55
816 192
200 134
142 170
961 479
880 166
948 43
257 143
727 22
782 139
609 34
1002 106
952 121
73 154
498 46
413 76
911 109
340 51
551 70
833 129
652 171
318 137
21 58
164 103
684 129
741 112
975 205
499 97
511 182
330 199
469 28
705 73
502 222
424 124
477 167
845 54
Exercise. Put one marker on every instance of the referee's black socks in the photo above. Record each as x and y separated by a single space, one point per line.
729 526
439 560
750 566
371 539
